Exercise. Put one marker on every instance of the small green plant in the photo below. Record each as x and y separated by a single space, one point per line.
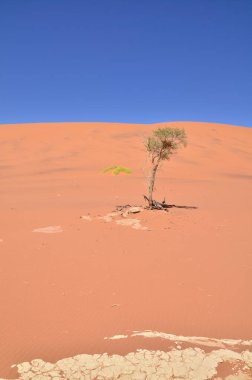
161 145
117 169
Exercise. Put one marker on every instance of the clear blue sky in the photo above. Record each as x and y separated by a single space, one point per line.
139 61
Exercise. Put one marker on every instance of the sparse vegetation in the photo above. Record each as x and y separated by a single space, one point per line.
161 146
117 169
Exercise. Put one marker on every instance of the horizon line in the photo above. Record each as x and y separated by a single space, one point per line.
119 122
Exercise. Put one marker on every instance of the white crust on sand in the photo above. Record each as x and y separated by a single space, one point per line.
188 364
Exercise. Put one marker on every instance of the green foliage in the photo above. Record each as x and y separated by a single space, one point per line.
164 142
117 169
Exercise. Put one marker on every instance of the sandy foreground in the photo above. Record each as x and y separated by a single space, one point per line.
86 295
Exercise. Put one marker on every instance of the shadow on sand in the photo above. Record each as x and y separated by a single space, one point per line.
164 206
188 207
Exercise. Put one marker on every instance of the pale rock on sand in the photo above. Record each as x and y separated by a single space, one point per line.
115 337
49 229
195 340
109 217
86 217
134 223
132 210
202 341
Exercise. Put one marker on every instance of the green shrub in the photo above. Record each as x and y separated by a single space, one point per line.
117 169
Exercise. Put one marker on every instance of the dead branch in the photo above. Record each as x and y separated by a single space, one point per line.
164 206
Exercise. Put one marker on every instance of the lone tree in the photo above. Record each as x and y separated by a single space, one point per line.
161 145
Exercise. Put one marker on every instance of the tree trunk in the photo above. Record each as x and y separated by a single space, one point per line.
151 183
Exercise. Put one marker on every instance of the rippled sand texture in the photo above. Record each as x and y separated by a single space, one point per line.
71 276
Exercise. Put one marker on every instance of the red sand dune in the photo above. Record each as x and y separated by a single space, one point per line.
189 274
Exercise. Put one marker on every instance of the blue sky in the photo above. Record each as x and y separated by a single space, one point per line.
139 61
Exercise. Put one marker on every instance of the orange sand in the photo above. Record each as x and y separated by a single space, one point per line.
189 274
